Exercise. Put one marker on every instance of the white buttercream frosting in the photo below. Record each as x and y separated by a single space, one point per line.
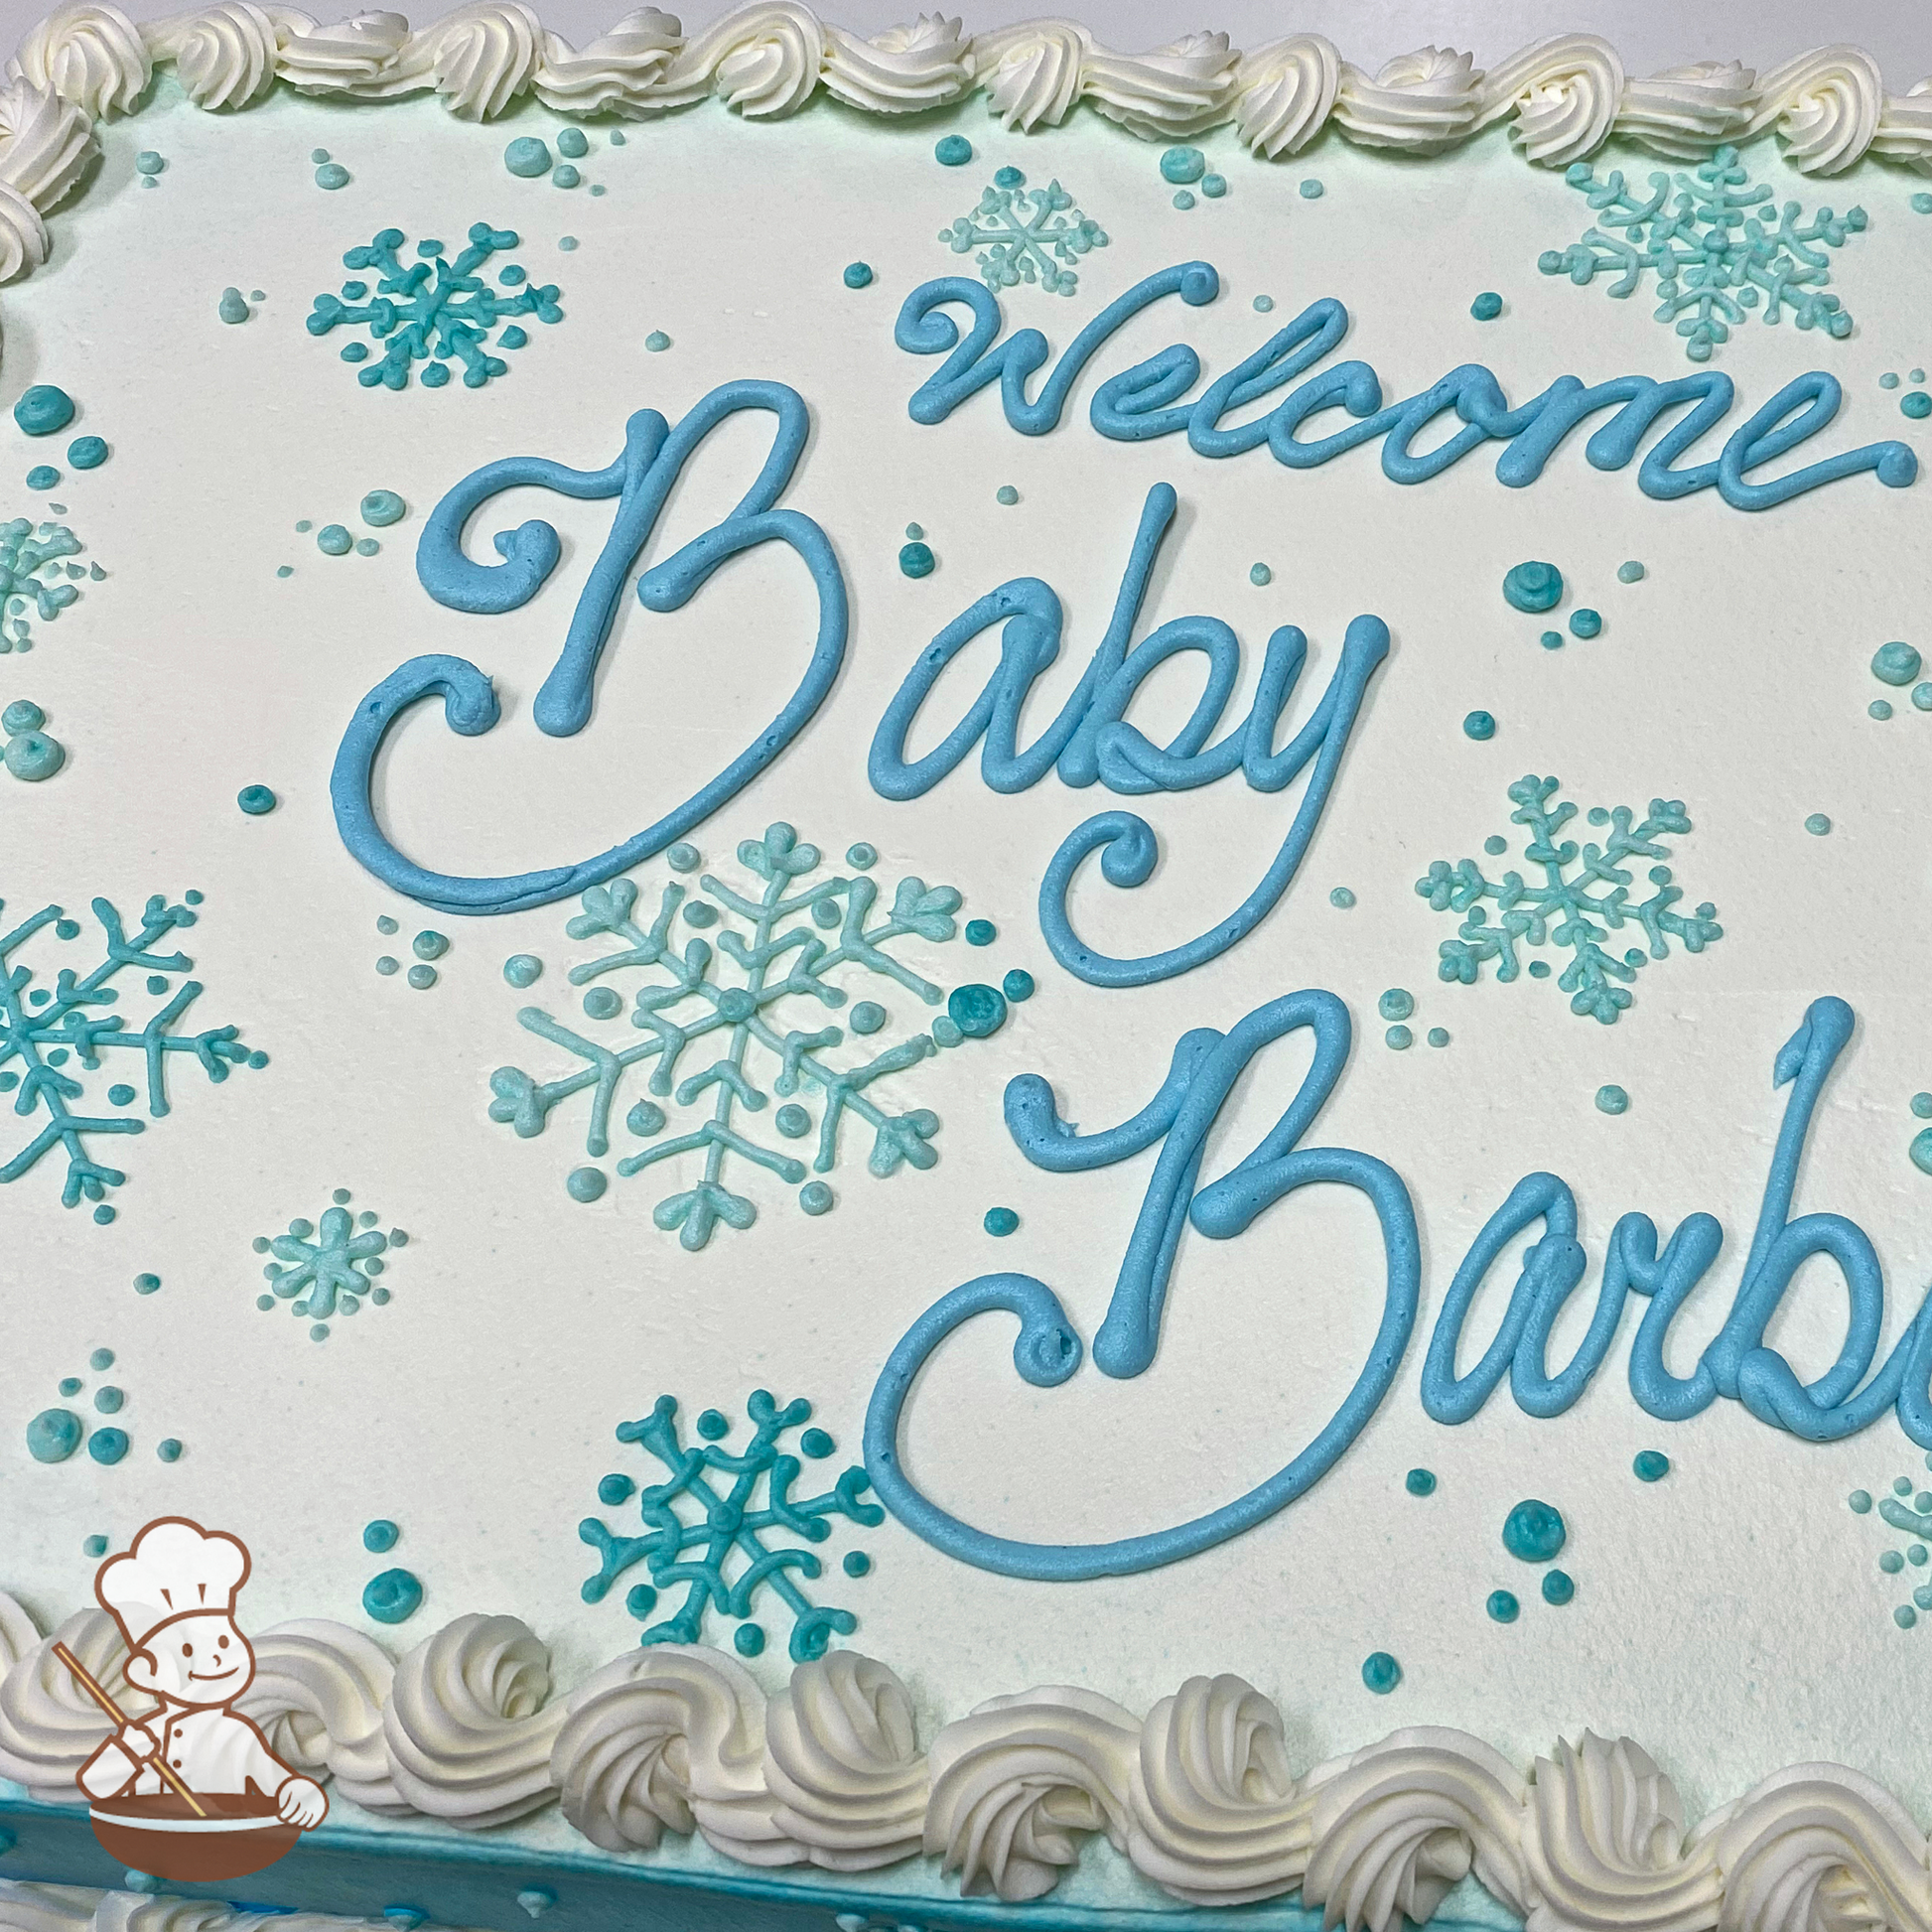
1283 94
617 71
89 52
482 56
1825 105
318 1696
901 71
224 54
764 60
1171 91
19 1633
1213 1814
1604 1845
46 143
843 1762
48 1726
1022 1781
1032 72
1685 112
468 1725
47 1908
1905 128
1565 94
1418 104
369 54
1397 1826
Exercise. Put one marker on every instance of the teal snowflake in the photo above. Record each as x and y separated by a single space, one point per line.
329 1268
1574 909
34 579
781 945
1717 246
50 1036
435 309
1025 234
725 1528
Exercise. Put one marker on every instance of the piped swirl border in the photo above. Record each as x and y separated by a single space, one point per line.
1198 1795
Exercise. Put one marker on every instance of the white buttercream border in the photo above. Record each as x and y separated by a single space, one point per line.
1197 1795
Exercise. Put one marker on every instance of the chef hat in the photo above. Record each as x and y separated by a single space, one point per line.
176 1569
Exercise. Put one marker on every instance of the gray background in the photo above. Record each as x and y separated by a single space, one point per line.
1648 34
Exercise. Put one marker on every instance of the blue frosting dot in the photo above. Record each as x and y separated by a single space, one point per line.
108 1401
1895 663
1860 1502
1612 1099
1533 587
44 409
107 1444
815 1197
1630 573
1438 1037
867 1017
1420 1482
1818 825
1182 166
1018 985
54 1434
856 1564
1313 191
1183 198
563 174
748 1639
1400 1037
952 151
917 560
1921 1149
1922 1107
1396 1003
1915 404
101 1360
1488 306
527 157
1008 177
1904 1616
147 162
1000 1221
87 452
816 1444
1341 898
380 1536
1586 623
573 143
146 1284
523 969
640 1599
857 275
1892 1563
1879 709
713 1425
1534 1531
1922 697
1653 1465
657 341
615 1489
429 944
685 857
42 475
94 1545
978 1011
1503 1606
422 978
381 507
586 1184
1559 1587
332 540
980 933
1263 304
1380 1672
603 1003
386 965
1478 725
1214 185
332 175
792 1121
169 1449
1007 494
1260 576
392 1597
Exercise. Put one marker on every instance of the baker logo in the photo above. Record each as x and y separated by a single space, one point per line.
188 1790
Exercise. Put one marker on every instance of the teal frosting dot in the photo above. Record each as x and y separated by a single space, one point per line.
1478 725
603 1003
1879 709
1818 825
1263 304
792 1121
1183 198
33 756
22 715
1420 1482
107 1401
1018 985
1612 1099
87 452
42 475
685 857
381 507
1904 1616
1400 1037
101 1360
978 1011
573 144
748 1639
1892 1563
1552 641
1889 380
1534 1531
380 1537
1007 494
952 151
1653 1465
1586 623
1503 1606
1438 1037
857 275
1000 1221
422 978
94 1545
1214 185
917 560
332 540
107 1444
1313 191
146 1284
255 800
613 1490
1533 587
523 969
713 1425
1341 898
856 1564
1260 575
232 306
69 1385
640 1599
392 1597
332 175
169 1449
429 944
563 174
657 341
586 1184
816 1444
867 1017
1921 1149
386 966
815 1197
945 1032
1396 1003
915 531
1895 663
1922 1107
44 409
1916 404
980 933
1630 573
1488 306
1922 697
527 157
1559 1587
1182 166
147 162
54 1434
1380 1672
1922 204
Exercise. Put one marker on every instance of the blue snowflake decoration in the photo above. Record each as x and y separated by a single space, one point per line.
779 946
1717 246
51 1036
1583 896
327 1268
435 309
707 1528
1025 234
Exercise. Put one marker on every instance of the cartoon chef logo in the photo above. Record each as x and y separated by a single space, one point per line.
188 1790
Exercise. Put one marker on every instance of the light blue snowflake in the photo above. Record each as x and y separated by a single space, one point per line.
721 1528
794 944
45 1030
435 309
1564 911
1025 234
32 574
327 1269
1716 246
